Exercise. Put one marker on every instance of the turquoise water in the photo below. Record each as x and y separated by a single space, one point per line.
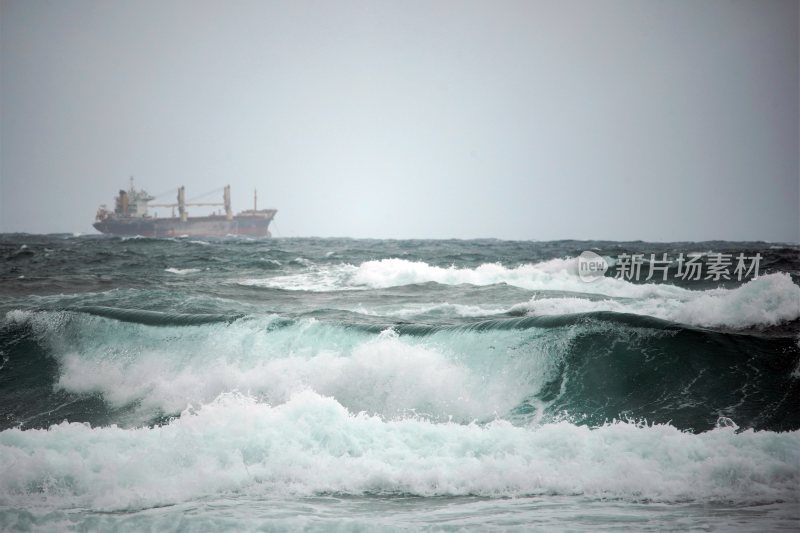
236 384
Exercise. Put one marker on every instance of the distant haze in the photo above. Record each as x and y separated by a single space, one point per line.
662 120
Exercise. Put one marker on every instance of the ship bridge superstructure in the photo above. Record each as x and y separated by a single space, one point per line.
132 203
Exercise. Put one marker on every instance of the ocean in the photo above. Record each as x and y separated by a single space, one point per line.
359 385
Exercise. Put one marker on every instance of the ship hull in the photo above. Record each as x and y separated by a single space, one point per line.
211 226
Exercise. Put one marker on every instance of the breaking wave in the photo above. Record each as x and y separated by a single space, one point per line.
592 367
767 301
555 275
312 445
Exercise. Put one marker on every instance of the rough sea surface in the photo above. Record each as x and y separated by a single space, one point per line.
237 384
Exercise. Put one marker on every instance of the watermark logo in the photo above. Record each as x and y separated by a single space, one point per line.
591 266
691 267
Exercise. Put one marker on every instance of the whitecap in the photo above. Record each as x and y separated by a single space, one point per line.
182 271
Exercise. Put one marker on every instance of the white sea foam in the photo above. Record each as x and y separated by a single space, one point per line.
767 301
19 316
430 309
554 275
386 375
303 261
182 271
311 444
319 278
160 370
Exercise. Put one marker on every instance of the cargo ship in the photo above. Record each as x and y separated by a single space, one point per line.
131 217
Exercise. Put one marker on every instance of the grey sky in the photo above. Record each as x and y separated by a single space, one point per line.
531 120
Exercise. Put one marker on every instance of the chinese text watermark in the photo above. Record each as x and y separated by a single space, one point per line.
690 267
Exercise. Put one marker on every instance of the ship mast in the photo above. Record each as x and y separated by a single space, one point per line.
226 199
182 203
255 201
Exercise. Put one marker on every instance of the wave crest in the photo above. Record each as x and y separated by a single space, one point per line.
311 444
767 301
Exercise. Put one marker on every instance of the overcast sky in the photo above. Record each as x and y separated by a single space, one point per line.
662 120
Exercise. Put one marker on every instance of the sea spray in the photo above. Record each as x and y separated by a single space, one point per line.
312 444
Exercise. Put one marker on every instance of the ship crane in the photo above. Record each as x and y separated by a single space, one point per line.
182 204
